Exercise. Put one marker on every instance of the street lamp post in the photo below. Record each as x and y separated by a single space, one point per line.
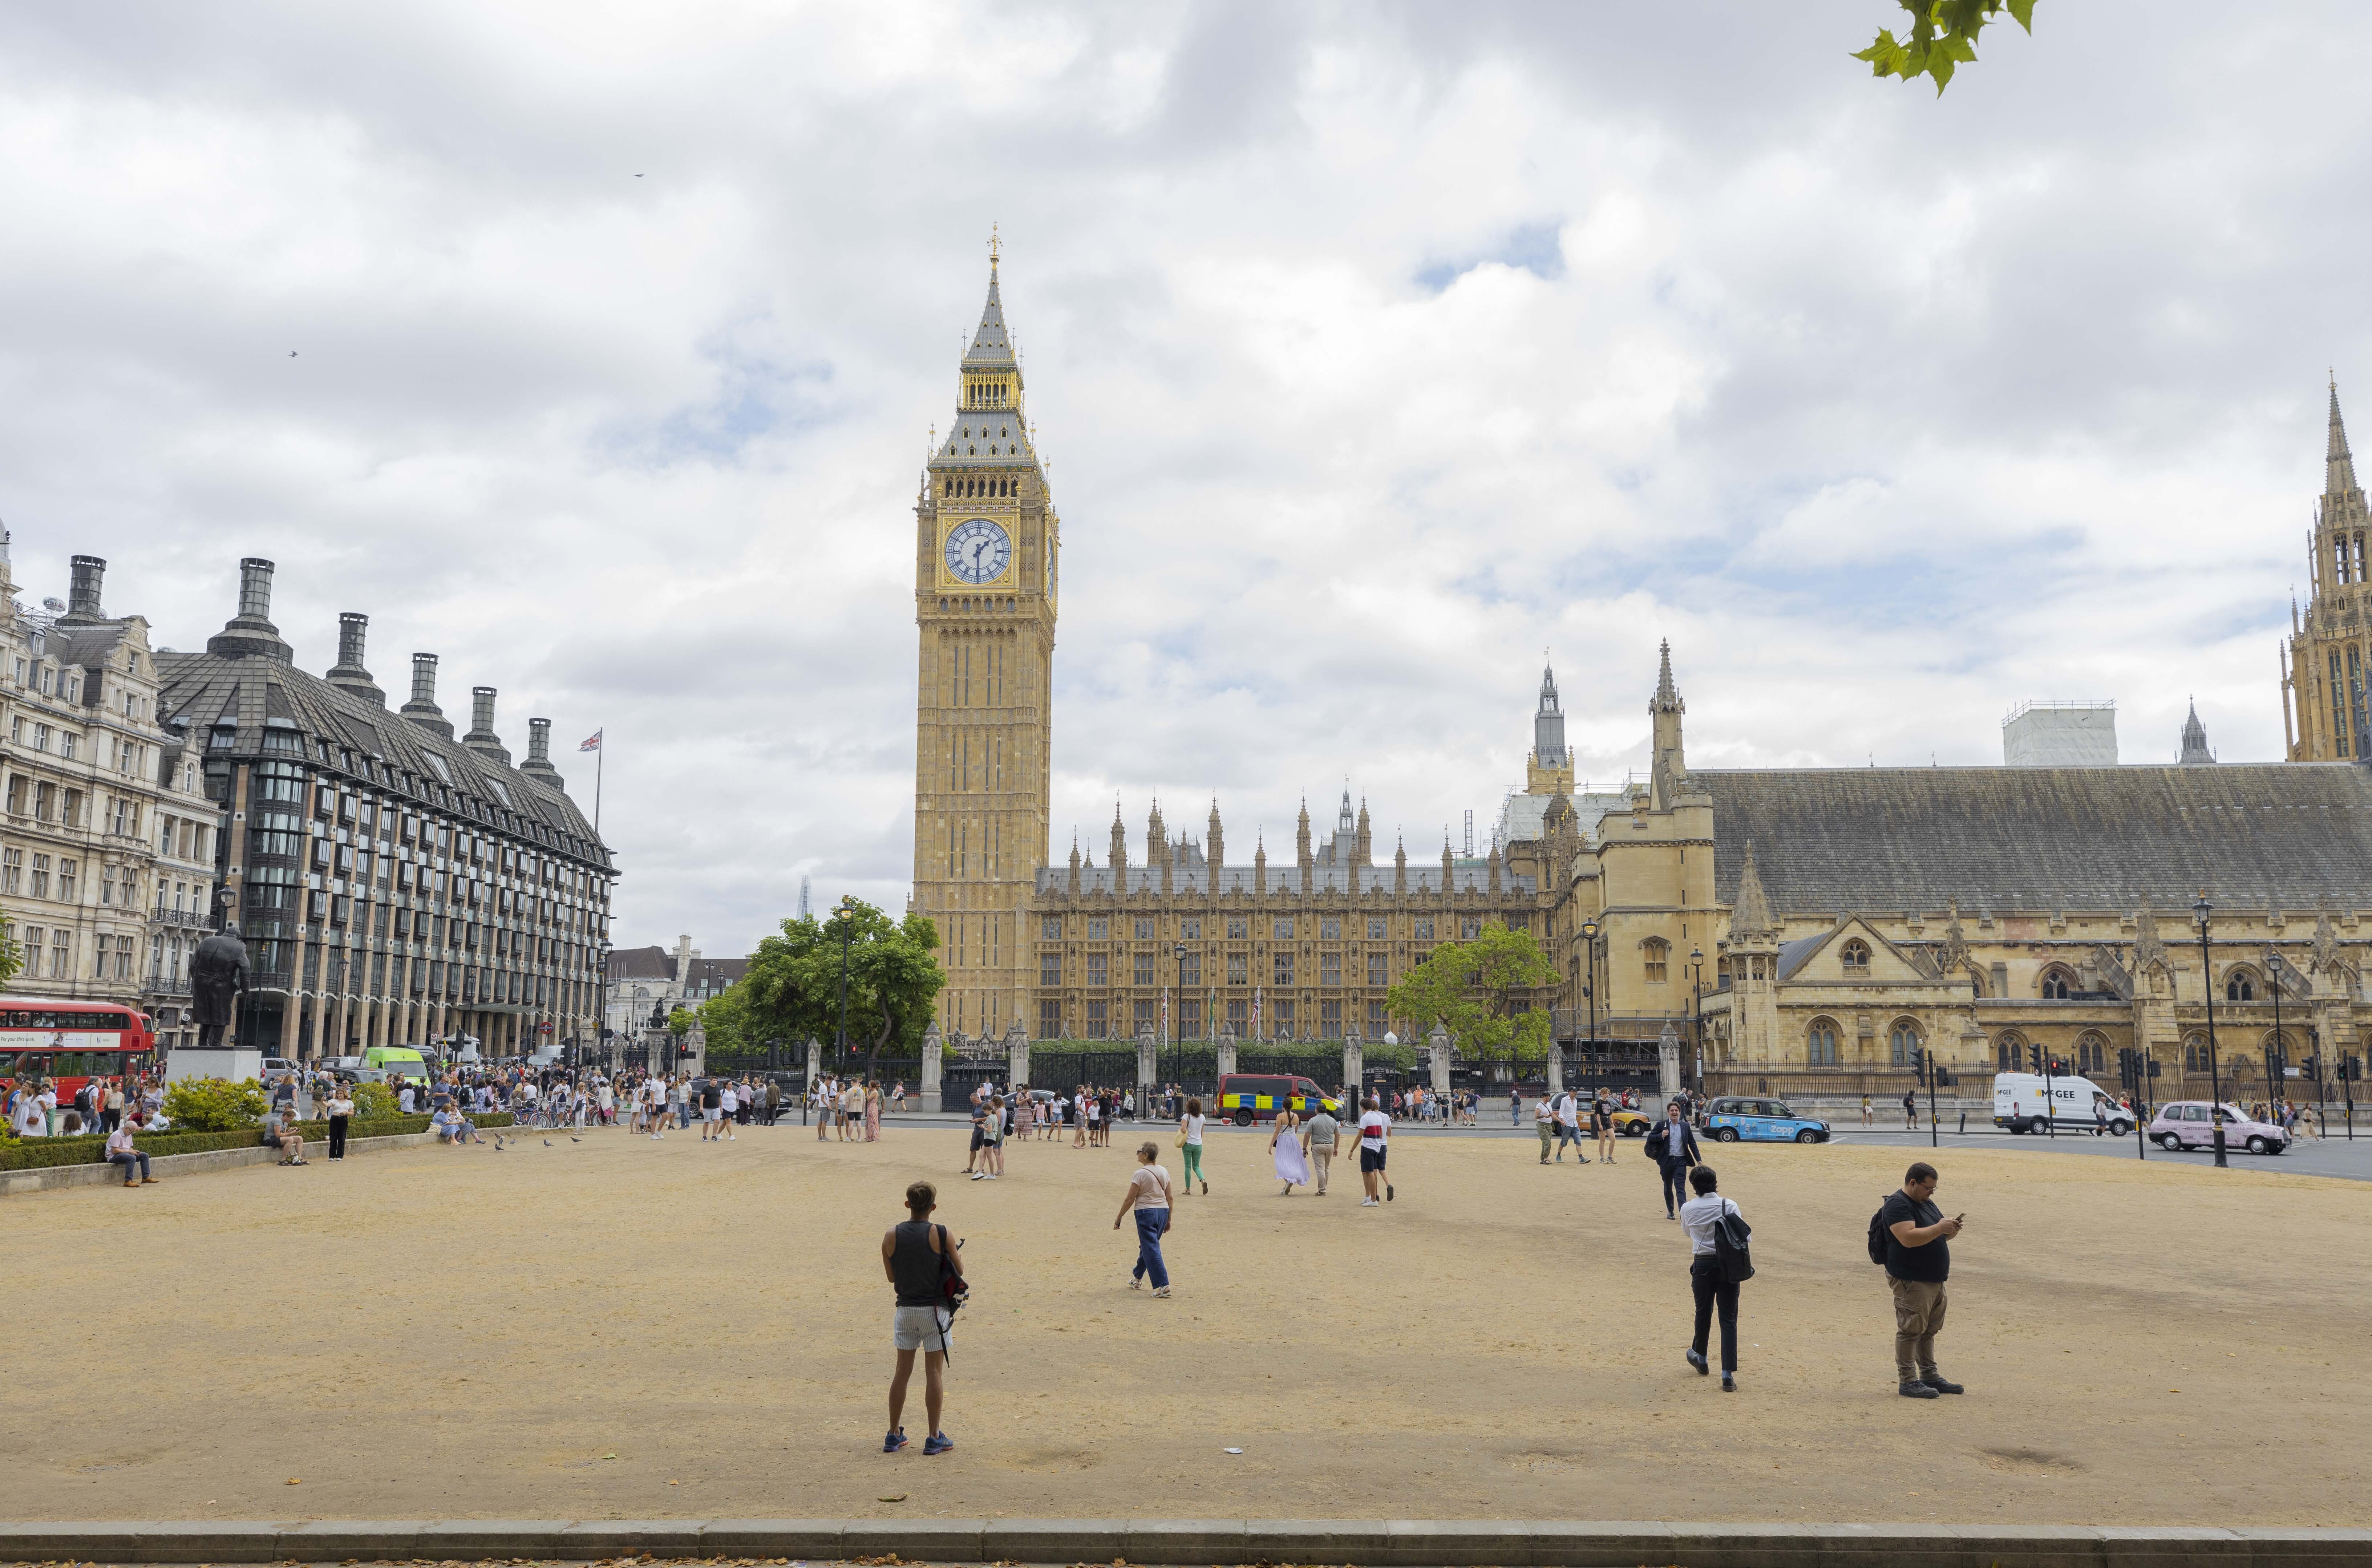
1178 956
1696 969
2280 1041
1590 929
2201 911
845 922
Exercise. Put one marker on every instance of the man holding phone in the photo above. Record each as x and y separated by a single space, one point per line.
1918 1260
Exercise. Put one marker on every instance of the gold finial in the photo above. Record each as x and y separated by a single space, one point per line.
993 246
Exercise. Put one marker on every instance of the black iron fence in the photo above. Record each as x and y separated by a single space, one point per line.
957 1081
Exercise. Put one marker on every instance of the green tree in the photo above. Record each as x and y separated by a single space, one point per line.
680 1022
725 1023
1479 992
1943 38
12 957
793 986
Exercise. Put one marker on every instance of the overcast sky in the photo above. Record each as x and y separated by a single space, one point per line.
1375 349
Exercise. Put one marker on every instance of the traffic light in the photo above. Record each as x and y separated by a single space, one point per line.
1918 1061
2351 1069
2153 1066
2034 1057
2311 1069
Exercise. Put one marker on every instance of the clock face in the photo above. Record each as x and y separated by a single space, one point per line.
978 551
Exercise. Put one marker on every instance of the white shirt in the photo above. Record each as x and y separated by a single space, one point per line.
1373 1128
1697 1217
119 1141
1566 1111
732 1102
1193 1125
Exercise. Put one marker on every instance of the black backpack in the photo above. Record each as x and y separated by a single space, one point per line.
1878 1234
1730 1234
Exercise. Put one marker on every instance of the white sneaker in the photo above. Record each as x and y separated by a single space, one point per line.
1369 1203
979 1176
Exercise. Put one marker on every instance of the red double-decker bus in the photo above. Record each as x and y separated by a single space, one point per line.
69 1041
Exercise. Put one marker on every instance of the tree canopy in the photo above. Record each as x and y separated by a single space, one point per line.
1943 38
1477 989
793 988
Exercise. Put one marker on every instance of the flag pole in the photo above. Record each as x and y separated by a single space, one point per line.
601 752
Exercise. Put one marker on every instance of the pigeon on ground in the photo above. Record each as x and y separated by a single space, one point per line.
574 1139
547 1143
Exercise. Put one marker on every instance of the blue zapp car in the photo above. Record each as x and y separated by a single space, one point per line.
1763 1121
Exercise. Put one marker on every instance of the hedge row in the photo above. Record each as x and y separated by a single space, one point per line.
42 1153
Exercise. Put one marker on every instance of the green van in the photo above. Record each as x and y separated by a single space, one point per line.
395 1062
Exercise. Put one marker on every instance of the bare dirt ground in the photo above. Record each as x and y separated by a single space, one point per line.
622 1328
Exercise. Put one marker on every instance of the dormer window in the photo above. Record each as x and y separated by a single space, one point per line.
1856 958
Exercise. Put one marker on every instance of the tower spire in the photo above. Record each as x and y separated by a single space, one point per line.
1667 698
2195 739
2339 466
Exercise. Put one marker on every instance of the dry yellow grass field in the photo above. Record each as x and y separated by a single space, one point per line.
617 1328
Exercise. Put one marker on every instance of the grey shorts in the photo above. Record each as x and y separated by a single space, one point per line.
920 1328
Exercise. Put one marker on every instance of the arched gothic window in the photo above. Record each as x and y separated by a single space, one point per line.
1901 1041
2240 987
2054 985
1654 953
2010 1054
1820 1043
2091 1055
1857 956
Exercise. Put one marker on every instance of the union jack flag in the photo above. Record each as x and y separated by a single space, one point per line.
592 742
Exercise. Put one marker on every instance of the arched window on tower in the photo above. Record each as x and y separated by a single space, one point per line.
1654 953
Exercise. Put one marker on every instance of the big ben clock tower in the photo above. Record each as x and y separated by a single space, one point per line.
987 540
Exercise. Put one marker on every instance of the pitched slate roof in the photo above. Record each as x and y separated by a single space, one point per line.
2037 840
254 692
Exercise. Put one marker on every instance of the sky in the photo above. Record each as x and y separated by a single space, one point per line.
1377 350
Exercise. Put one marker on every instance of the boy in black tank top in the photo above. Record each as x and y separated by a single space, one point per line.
911 1252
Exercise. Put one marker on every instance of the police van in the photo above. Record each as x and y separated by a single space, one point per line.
2028 1102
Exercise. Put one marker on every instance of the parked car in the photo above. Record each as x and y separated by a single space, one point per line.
1763 1121
276 1068
1633 1123
2187 1124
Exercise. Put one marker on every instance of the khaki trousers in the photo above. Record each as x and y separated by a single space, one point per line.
1918 1319
1320 1159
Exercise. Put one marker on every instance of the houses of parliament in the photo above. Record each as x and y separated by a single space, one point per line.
1803 930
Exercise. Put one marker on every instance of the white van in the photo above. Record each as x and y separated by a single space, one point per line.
2027 1102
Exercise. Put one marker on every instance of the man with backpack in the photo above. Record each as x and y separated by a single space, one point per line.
1910 1236
926 1271
1673 1144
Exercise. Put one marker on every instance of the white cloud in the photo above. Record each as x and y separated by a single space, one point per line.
1375 349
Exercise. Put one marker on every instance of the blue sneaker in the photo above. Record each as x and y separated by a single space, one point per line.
937 1443
894 1441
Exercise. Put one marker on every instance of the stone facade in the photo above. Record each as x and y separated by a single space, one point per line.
987 542
1248 951
1840 918
395 884
2328 658
108 842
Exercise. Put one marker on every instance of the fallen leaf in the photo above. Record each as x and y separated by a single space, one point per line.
293 1481
894 1497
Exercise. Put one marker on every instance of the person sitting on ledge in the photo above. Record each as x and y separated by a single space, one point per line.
281 1133
121 1152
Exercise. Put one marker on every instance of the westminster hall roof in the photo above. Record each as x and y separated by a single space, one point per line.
2290 836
